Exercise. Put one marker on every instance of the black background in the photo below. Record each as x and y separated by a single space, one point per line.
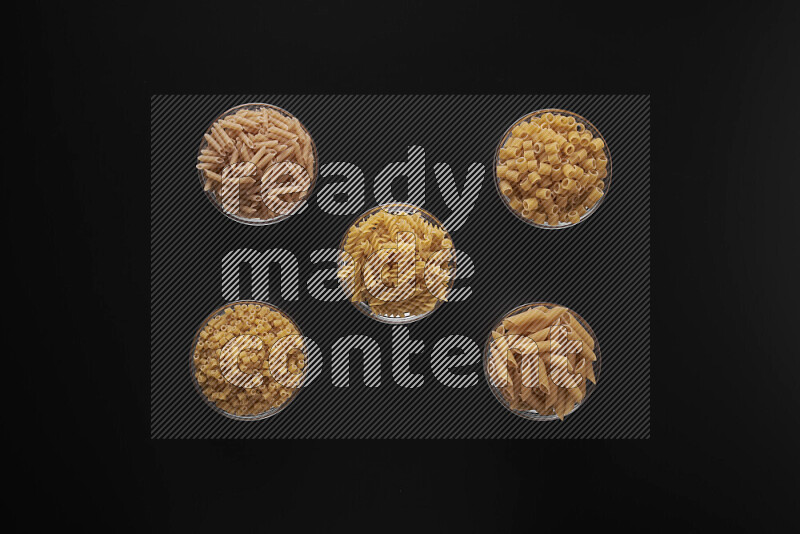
722 79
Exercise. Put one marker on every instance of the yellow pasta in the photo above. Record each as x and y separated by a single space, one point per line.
264 137
248 359
398 264
538 218
553 157
539 360
525 184
594 195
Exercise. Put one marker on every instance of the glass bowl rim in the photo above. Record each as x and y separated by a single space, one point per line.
192 368
258 222
606 149
532 415
365 308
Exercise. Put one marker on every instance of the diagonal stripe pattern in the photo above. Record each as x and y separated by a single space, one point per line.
423 380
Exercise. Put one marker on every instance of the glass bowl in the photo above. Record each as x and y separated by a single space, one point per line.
533 414
402 209
252 171
235 389
589 127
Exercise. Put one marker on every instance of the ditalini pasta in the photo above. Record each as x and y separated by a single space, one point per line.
248 359
397 262
257 163
542 361
551 170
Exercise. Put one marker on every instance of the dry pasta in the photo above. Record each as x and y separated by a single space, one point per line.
551 380
551 170
241 149
231 359
409 284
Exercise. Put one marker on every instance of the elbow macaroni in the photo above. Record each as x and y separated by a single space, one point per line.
552 157
232 353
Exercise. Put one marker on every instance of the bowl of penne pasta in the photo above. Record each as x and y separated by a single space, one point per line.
552 169
542 361
257 164
248 361
396 263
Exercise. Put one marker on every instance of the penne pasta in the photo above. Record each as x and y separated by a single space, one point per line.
549 380
261 136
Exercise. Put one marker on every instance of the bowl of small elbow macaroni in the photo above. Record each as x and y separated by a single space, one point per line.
542 361
248 360
257 164
552 169
397 263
